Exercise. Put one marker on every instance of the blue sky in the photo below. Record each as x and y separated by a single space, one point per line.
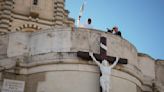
140 21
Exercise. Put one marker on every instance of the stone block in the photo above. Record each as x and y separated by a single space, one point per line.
76 81
160 73
18 44
40 43
80 40
147 66
51 41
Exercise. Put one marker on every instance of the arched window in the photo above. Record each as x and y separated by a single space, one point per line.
35 2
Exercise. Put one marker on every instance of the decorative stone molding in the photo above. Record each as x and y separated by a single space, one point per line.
61 15
5 17
28 28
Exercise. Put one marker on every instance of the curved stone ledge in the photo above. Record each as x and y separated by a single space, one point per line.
66 40
126 76
81 69
70 58
60 67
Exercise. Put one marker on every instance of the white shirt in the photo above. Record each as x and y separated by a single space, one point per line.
87 26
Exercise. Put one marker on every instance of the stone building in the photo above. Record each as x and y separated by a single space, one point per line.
39 47
32 15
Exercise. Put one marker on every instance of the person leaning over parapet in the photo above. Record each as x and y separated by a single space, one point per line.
115 31
109 30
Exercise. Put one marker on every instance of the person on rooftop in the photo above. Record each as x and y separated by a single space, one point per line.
88 24
115 31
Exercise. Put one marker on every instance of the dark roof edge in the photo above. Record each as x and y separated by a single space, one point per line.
146 55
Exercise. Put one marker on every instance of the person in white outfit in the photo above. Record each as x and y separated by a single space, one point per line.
88 25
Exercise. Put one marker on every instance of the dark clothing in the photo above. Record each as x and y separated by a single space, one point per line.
109 30
119 33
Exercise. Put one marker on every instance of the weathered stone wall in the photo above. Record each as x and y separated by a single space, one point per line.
31 81
53 52
66 40
70 81
159 76
51 47
71 77
147 67
40 8
19 43
19 15
30 14
3 46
